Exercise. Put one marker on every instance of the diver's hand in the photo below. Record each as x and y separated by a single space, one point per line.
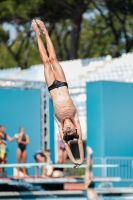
77 163
76 166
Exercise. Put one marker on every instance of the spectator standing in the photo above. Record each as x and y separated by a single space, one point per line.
62 154
23 141
5 137
2 153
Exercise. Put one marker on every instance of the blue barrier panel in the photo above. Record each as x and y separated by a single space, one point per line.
94 118
110 118
21 108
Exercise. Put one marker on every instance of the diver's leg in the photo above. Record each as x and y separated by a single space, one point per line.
48 72
58 71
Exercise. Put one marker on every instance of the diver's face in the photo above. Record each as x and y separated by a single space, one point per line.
69 129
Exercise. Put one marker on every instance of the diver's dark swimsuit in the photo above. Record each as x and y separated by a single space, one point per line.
57 84
22 147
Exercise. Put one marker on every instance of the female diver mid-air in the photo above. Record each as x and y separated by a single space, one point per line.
66 114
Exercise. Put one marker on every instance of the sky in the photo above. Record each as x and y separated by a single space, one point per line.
11 29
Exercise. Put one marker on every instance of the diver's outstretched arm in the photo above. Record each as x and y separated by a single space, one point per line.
80 141
77 163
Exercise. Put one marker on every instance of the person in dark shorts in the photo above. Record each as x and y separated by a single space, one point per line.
66 114
89 182
43 156
23 141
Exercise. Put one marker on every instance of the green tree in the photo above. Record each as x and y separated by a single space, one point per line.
118 16
95 38
19 13
107 24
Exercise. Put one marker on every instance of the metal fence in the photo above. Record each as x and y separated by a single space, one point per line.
124 169
98 171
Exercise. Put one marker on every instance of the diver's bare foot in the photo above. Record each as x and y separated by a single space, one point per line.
42 26
35 28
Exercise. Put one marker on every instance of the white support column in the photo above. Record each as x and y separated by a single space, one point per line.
44 118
